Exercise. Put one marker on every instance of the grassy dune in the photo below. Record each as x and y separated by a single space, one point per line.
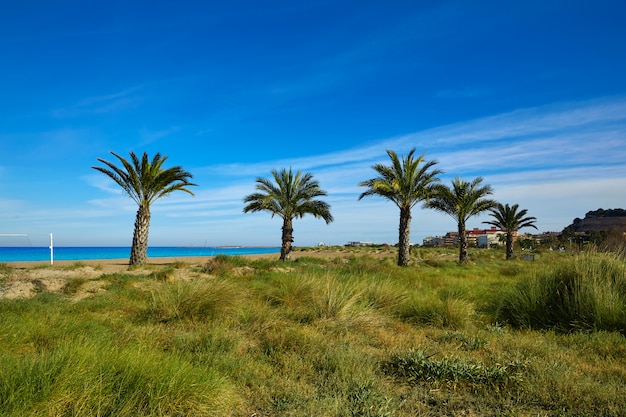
350 334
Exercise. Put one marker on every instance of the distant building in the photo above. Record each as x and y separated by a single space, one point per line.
483 238
434 241
358 244
451 238
489 237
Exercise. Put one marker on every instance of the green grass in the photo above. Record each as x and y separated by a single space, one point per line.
356 336
583 293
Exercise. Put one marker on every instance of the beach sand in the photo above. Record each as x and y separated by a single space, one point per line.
121 265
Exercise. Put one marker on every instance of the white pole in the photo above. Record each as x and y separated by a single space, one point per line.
51 251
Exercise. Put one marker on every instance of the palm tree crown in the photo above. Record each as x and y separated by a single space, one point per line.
291 195
507 218
405 182
145 182
462 201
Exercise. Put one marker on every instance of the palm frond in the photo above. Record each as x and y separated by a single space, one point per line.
146 181
290 195
405 182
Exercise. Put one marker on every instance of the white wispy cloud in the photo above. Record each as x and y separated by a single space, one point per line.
149 136
524 123
102 104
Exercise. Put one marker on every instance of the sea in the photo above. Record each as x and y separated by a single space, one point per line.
63 253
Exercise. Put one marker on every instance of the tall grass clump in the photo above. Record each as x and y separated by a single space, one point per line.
192 300
222 264
5 269
586 292
327 297
432 310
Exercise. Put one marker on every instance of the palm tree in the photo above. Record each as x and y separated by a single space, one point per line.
290 196
405 182
145 182
510 220
462 201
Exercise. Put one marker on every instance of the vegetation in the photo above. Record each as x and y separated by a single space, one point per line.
405 182
340 334
145 182
290 196
587 292
462 201
510 220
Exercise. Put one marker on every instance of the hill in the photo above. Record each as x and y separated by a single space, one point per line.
600 220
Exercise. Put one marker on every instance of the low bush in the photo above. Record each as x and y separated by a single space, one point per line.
416 366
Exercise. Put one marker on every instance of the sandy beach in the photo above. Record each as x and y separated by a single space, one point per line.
118 265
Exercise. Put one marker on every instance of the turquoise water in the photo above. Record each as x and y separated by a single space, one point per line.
22 254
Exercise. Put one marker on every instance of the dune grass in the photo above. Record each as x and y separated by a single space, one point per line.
587 292
348 336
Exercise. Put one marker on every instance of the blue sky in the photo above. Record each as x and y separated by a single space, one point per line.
529 95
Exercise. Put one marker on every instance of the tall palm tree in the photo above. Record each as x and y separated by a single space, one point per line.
405 182
507 218
290 196
462 201
145 182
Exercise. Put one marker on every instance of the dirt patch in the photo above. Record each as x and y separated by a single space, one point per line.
27 282
243 271
89 289
283 270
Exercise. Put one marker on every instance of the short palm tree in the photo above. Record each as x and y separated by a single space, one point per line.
462 201
510 220
405 182
145 182
290 196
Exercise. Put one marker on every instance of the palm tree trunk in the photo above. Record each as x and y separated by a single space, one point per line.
140 236
287 237
462 243
404 238
509 245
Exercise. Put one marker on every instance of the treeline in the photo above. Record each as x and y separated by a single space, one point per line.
605 213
